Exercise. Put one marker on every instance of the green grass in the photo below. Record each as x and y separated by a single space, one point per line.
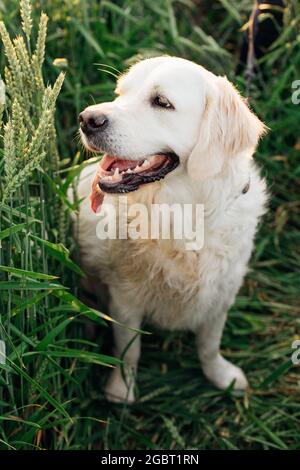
51 386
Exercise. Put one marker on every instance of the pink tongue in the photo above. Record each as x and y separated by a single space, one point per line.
107 161
96 196
96 201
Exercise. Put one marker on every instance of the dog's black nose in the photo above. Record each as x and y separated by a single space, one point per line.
90 121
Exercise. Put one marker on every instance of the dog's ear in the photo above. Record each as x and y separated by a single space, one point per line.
227 128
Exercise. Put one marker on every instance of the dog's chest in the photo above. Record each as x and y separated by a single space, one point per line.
173 288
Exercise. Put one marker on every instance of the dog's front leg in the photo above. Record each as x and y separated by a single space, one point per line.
121 383
217 369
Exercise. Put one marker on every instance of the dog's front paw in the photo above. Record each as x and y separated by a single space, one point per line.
119 391
222 373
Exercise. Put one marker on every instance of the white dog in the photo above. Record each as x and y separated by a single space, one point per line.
175 133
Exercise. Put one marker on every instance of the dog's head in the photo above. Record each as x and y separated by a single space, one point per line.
168 112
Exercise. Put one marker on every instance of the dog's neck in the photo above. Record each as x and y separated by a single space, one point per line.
215 193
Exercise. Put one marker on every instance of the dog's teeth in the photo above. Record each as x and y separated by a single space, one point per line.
116 172
145 163
129 170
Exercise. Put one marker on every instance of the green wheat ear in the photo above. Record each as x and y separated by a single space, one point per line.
29 135
41 40
26 10
9 152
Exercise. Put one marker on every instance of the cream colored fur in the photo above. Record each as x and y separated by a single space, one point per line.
215 134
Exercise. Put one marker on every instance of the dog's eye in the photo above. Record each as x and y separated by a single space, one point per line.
162 102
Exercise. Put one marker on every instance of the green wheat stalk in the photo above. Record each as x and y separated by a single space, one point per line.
2 99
